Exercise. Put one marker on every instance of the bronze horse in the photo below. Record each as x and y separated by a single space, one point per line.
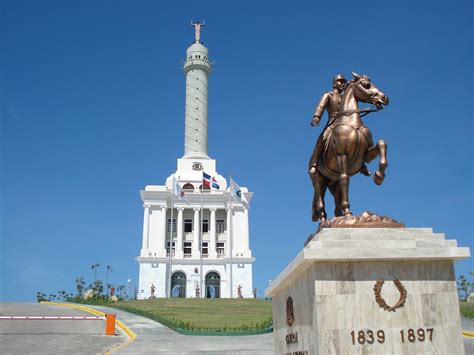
347 147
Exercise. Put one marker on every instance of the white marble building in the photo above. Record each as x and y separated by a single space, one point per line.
210 247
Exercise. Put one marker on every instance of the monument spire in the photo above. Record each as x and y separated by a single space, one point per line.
197 69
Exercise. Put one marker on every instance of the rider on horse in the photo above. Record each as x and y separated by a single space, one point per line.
329 101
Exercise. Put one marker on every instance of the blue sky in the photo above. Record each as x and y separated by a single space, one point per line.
92 110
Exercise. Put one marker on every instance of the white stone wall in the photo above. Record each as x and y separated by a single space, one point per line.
159 276
332 299
242 275
157 231
151 275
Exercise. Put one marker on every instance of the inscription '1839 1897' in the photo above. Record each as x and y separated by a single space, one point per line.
368 336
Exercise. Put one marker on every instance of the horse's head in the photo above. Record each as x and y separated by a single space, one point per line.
366 91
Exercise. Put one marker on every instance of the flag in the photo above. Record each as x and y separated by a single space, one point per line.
178 191
210 181
236 192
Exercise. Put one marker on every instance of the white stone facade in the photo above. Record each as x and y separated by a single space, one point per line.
209 232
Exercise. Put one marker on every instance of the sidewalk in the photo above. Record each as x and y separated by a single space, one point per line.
467 324
155 338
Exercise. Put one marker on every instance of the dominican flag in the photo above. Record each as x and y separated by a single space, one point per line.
210 182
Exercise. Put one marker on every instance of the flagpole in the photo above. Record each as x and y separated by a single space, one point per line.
202 236
230 237
171 236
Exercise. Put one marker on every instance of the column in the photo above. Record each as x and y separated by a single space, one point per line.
227 242
146 230
212 244
161 252
179 231
196 228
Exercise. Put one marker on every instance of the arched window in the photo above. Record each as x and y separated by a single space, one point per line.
205 186
188 186
213 285
178 285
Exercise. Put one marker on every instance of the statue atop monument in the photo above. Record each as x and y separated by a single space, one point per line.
197 30
344 147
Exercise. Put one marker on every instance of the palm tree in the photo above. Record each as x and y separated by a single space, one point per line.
80 285
464 285
109 268
98 287
94 267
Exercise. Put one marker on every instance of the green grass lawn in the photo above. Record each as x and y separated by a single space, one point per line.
467 309
207 313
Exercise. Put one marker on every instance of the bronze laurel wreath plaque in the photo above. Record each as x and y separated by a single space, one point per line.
381 302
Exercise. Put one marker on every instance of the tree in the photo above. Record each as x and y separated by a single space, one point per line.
80 283
97 287
94 267
109 268
464 286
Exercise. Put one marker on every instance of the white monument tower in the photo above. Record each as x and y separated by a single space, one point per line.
197 245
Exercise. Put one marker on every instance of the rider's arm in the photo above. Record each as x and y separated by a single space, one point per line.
318 112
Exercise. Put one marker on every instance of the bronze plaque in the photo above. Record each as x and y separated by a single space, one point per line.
290 316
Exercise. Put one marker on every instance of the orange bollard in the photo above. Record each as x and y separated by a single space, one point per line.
110 324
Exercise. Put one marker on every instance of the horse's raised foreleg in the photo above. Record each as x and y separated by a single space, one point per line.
380 149
379 175
343 162
320 186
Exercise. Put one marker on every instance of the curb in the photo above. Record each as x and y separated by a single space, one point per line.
131 335
468 334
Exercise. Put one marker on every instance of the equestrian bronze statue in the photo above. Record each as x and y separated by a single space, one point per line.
346 143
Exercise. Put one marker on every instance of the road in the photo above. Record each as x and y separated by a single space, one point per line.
52 336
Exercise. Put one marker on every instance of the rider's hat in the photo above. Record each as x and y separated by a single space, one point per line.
339 77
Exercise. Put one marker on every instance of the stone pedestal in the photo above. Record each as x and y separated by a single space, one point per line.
369 291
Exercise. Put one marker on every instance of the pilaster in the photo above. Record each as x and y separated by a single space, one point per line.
196 228
212 244
146 230
179 231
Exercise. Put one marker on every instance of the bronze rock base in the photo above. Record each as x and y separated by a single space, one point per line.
365 220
